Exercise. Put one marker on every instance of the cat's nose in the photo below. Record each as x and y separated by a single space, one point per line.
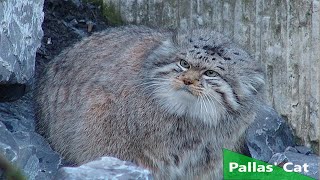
187 81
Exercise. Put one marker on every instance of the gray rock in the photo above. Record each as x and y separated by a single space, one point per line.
104 168
78 3
20 36
21 145
303 150
292 149
8 146
278 158
269 134
299 159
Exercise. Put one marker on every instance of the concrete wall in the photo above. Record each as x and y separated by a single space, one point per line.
283 34
20 36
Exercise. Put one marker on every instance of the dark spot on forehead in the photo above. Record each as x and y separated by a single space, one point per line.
190 40
236 53
207 47
195 46
213 59
198 52
221 68
227 58
201 38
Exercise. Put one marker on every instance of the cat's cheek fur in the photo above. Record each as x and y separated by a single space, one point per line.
207 108
251 85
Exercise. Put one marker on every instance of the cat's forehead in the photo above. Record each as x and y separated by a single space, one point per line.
207 55
205 45
222 55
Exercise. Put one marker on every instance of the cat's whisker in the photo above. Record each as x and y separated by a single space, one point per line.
213 109
204 103
157 90
157 84
150 82
152 79
151 85
199 100
215 99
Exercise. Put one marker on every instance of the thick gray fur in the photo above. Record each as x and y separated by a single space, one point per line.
124 93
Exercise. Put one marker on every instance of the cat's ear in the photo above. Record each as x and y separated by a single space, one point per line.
164 49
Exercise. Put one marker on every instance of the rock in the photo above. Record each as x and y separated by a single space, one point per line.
104 168
303 150
292 149
278 159
299 159
8 146
78 3
21 145
20 36
269 134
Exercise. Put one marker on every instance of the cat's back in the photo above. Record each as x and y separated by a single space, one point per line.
104 52
92 72
106 58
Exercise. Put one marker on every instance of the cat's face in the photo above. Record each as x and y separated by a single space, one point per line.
201 79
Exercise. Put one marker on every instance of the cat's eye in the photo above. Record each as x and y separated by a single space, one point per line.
184 64
211 73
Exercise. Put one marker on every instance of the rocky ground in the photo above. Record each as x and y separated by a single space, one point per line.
66 22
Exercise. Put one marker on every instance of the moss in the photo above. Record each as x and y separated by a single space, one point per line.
308 14
245 19
278 29
10 172
109 11
247 2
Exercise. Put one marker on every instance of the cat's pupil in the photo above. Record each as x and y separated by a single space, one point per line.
211 73
184 64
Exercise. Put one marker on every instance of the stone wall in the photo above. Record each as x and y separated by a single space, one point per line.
20 36
283 35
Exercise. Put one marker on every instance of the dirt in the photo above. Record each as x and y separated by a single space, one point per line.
66 22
